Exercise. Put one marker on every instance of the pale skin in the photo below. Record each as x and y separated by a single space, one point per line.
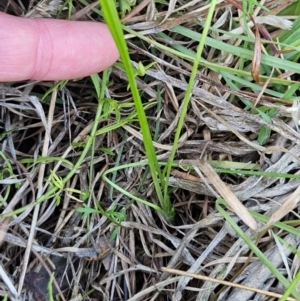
48 49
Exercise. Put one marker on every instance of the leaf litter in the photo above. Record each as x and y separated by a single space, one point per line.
138 255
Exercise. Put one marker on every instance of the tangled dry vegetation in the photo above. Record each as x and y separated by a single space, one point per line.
120 255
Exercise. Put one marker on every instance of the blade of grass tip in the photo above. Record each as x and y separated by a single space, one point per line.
254 248
113 22
167 170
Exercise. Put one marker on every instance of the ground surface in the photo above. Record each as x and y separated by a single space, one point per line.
119 255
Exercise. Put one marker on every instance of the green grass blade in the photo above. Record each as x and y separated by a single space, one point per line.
291 287
238 51
123 191
113 22
254 248
187 97
189 55
49 288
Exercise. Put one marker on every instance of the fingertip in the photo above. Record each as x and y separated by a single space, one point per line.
48 49
72 49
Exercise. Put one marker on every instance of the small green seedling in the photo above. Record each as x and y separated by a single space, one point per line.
126 6
117 217
57 182
141 70
113 215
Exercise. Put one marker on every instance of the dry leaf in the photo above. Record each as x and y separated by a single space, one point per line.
236 206
264 32
290 203
275 21
255 65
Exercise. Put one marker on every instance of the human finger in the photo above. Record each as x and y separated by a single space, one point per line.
48 49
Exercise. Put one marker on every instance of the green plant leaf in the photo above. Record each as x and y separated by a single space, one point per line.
86 211
113 22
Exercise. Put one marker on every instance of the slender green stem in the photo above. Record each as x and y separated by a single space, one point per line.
187 97
291 287
112 20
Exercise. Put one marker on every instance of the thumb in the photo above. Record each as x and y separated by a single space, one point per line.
48 49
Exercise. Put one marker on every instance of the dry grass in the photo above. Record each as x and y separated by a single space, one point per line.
95 258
